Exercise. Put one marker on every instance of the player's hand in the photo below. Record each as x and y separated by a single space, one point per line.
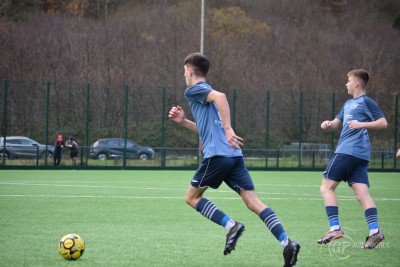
233 140
326 124
176 114
355 124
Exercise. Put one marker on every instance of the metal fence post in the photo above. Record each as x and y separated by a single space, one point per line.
300 127
5 120
125 125
396 112
163 154
81 155
47 119
313 159
87 121
333 115
277 158
38 156
233 119
267 130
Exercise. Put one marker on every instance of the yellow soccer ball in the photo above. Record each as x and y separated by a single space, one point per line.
71 247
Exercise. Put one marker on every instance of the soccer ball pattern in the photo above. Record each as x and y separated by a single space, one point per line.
71 247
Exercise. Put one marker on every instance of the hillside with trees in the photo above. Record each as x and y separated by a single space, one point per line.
285 47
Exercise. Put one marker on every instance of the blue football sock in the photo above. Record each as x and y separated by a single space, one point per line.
211 212
333 216
371 216
270 219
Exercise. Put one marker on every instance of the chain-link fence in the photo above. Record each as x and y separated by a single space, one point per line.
281 129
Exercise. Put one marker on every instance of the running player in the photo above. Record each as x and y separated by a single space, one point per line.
223 159
350 160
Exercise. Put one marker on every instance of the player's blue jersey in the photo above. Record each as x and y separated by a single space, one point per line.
356 142
209 122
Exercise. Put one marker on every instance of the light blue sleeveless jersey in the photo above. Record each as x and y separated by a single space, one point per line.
356 142
209 122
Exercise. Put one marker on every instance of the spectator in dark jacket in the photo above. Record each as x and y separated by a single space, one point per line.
57 150
73 147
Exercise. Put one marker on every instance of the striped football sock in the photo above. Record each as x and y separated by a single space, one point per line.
211 212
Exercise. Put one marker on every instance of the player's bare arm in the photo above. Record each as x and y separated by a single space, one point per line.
177 115
334 124
223 107
379 124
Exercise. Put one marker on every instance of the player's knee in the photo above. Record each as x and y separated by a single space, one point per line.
187 199
363 197
250 206
190 201
254 209
323 190
359 197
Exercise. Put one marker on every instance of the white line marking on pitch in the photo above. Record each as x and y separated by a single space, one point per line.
180 198
316 196
94 186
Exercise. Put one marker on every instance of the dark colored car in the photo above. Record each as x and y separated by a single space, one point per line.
109 148
24 147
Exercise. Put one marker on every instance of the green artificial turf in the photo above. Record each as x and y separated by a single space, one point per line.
139 218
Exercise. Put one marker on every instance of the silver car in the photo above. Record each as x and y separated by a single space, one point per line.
23 147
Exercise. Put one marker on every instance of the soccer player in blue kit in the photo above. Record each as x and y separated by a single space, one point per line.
223 159
350 160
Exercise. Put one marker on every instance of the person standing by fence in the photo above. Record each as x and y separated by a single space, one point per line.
73 147
58 146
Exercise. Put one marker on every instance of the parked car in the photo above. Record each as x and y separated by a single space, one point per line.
24 147
114 148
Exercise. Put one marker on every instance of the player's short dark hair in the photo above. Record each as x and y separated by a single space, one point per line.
361 75
199 63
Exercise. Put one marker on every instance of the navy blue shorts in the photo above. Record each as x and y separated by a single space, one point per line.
73 153
215 170
350 169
